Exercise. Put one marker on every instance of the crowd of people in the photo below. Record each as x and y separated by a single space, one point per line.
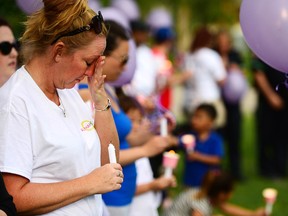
59 111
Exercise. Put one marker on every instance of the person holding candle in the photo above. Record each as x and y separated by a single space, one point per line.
208 151
116 54
215 191
53 154
147 197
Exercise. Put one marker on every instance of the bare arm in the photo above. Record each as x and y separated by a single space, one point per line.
104 122
158 184
208 159
272 97
154 146
39 198
196 213
235 210
2 213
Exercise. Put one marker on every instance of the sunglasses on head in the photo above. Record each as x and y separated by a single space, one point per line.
6 47
96 25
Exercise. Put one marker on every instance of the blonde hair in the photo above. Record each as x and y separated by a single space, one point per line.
57 17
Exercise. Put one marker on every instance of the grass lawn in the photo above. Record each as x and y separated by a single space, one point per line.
249 192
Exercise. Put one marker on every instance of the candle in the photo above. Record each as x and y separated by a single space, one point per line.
189 142
269 195
163 127
112 154
170 161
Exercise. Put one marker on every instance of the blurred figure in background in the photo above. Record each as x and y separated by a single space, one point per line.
232 94
8 51
208 151
148 195
215 191
271 120
207 75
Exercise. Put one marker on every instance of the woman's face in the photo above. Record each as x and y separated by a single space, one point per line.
75 67
116 61
8 62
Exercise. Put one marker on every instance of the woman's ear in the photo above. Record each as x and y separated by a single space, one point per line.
58 51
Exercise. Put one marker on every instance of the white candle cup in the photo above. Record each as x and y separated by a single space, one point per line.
168 172
189 142
112 154
170 161
163 127
269 195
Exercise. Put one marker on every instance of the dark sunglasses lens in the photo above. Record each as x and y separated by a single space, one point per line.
5 48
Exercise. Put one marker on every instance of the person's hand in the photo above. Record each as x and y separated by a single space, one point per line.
105 179
96 84
162 183
140 133
156 145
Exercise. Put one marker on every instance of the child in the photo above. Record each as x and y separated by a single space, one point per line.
208 150
215 191
147 197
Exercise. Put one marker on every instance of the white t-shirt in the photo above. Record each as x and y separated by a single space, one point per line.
144 79
207 69
40 144
146 203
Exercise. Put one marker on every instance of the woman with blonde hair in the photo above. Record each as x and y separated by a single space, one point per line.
53 154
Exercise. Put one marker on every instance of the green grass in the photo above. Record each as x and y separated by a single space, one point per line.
249 192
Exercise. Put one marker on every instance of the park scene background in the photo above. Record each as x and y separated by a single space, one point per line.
187 15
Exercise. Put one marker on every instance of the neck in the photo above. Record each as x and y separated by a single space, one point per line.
41 74
204 135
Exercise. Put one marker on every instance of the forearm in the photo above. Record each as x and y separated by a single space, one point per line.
130 155
208 159
263 84
40 198
143 188
236 210
106 129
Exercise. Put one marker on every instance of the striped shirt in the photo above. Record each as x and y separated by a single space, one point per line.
186 203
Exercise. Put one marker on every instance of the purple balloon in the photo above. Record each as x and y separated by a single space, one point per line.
159 17
129 70
94 5
235 86
128 7
29 6
265 28
110 13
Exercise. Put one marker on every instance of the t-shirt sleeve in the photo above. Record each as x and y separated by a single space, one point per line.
15 149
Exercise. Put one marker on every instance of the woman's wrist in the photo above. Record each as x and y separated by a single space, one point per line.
100 108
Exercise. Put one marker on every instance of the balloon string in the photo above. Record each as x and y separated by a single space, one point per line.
285 83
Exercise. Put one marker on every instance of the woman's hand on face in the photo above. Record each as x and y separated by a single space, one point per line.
96 84
105 178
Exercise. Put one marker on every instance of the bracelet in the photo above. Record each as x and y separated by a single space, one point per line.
107 107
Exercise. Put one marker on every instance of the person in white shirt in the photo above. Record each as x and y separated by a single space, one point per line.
208 74
53 154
